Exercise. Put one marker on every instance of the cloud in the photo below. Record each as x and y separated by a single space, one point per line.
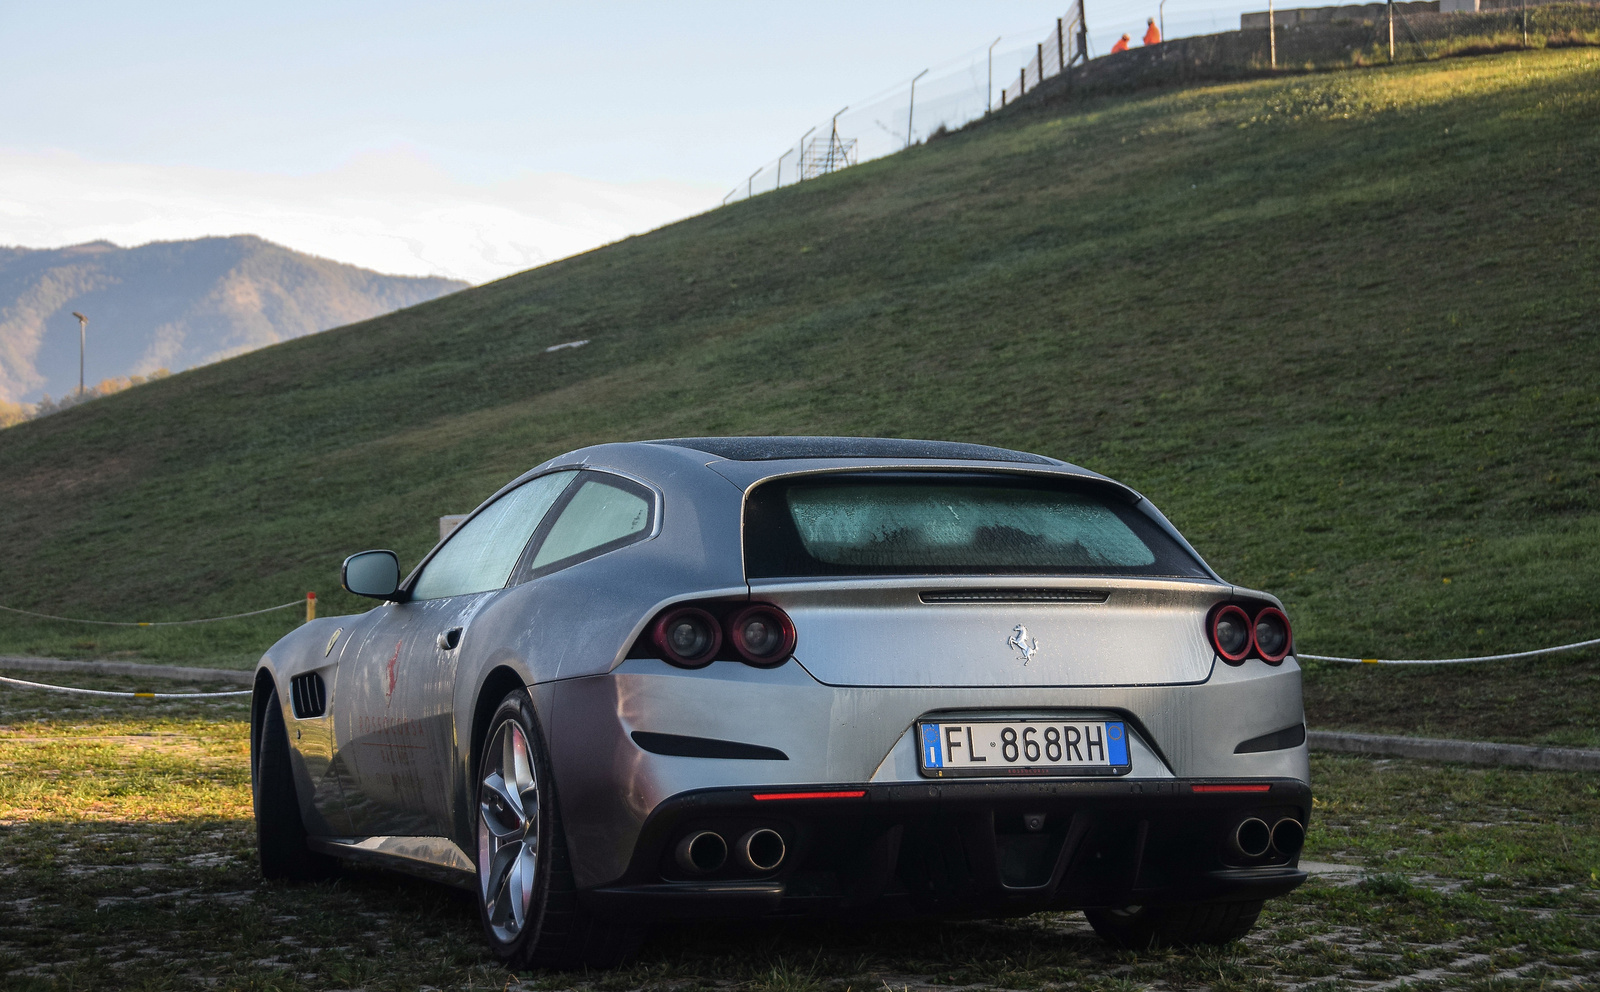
393 211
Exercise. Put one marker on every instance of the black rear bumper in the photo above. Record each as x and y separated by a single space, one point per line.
965 848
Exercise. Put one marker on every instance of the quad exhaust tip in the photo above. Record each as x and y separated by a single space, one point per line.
702 851
762 849
1251 838
1288 836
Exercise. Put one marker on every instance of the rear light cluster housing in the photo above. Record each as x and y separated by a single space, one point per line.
1241 630
693 635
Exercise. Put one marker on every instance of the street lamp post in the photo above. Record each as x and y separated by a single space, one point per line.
1161 15
83 337
990 105
912 110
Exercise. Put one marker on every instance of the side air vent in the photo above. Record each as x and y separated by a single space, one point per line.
308 695
941 596
1278 740
678 745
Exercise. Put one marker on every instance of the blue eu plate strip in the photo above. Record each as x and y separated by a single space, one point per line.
932 753
1117 743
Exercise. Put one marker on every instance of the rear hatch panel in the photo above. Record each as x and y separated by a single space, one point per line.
1001 631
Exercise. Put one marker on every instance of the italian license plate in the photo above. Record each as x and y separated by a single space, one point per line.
1024 747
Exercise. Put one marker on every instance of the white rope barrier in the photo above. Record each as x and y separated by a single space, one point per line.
149 623
126 695
1452 661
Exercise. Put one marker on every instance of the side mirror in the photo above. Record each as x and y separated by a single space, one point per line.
371 573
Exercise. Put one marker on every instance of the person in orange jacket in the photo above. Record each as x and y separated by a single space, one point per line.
1152 34
1121 45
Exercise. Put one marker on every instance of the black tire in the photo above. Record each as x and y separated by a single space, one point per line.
280 833
1139 927
555 931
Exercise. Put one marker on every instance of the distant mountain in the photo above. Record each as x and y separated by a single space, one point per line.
173 304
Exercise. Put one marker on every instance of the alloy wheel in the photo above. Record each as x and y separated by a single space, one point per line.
508 831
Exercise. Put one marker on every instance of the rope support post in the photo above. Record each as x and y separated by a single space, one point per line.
311 606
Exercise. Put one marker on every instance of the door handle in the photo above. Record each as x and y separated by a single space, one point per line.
448 640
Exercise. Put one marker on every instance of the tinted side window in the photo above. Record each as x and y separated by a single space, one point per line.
603 513
479 556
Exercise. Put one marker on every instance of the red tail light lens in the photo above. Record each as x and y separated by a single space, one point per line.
1230 634
762 634
1271 635
687 637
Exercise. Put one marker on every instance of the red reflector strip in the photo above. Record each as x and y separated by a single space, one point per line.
1231 788
764 796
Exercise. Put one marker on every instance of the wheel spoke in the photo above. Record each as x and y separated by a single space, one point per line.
520 769
503 864
517 890
525 784
529 862
501 831
500 808
501 898
511 787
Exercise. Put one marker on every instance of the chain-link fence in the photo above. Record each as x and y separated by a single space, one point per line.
1498 25
1303 40
1054 55
1353 36
943 98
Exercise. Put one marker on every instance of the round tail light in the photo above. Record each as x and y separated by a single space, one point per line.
1271 635
1230 634
763 635
687 637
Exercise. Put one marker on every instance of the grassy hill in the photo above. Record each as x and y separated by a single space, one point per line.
1342 328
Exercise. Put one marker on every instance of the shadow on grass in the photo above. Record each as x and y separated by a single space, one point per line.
802 954
90 904
116 904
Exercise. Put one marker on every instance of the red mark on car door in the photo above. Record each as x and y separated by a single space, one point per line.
394 660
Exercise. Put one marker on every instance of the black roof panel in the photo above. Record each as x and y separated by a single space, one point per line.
762 449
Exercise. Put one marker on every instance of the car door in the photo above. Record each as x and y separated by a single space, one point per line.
401 686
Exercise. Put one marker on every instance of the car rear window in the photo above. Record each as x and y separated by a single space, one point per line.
906 523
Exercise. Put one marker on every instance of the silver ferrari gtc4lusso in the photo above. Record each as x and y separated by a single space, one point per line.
732 677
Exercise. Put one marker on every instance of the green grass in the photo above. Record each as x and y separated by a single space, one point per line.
127 861
1342 328
1553 701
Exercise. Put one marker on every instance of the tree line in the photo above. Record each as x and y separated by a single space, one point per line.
12 414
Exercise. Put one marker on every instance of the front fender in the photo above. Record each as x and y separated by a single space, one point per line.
313 649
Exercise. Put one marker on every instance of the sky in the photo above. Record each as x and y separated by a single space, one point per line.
467 139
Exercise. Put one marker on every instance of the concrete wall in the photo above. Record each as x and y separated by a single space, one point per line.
1347 12
1376 11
